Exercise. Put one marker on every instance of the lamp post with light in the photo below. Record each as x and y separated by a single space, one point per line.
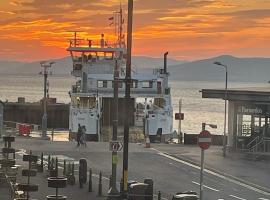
46 66
225 109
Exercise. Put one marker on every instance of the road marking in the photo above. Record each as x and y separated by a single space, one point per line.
213 173
263 199
210 188
237 197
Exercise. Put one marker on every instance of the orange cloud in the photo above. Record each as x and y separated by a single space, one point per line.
189 29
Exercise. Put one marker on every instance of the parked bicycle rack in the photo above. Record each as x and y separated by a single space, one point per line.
30 172
7 163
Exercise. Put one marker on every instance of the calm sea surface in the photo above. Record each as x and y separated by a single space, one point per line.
196 109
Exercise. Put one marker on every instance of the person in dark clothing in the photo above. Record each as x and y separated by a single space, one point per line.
79 135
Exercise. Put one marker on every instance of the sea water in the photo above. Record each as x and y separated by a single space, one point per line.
195 108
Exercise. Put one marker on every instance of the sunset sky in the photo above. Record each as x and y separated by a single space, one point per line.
188 29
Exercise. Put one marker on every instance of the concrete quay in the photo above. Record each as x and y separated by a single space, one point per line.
171 166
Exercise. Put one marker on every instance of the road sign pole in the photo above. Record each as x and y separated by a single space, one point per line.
127 99
179 122
113 192
201 174
204 142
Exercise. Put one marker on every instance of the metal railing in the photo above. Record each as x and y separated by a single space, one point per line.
259 142
255 140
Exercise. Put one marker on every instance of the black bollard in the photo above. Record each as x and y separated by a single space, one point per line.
121 185
49 162
90 189
110 181
100 185
56 167
52 163
159 195
41 162
64 170
72 169
80 177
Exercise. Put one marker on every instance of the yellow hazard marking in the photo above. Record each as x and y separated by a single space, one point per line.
114 159
125 180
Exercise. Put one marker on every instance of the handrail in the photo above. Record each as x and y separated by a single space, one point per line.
254 140
266 138
255 147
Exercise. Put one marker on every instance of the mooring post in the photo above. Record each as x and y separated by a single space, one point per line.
100 185
64 170
49 162
90 189
41 162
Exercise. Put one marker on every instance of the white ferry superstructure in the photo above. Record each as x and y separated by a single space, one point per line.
92 95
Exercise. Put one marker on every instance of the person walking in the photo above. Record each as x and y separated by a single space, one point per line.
79 135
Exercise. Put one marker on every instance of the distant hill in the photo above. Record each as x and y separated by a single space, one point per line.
239 69
63 66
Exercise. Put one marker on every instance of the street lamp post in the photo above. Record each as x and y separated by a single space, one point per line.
45 74
225 106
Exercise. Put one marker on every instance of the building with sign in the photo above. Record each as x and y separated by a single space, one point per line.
248 117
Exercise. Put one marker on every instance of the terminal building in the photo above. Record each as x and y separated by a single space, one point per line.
248 117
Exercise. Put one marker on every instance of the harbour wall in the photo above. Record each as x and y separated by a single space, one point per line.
57 114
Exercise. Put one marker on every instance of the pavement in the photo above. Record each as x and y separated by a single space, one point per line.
172 167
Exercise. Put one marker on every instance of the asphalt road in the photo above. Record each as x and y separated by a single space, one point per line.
170 175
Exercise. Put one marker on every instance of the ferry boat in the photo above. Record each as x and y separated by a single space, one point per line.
92 95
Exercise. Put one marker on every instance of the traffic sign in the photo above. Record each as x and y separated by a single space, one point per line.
204 139
116 146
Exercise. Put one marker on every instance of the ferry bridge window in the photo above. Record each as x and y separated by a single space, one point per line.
102 84
147 84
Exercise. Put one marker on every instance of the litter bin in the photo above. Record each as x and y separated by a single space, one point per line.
150 189
137 191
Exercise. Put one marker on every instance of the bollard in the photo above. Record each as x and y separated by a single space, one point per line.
159 195
110 181
121 185
49 162
64 170
41 162
56 167
52 134
100 185
70 174
80 177
90 189
72 169
52 163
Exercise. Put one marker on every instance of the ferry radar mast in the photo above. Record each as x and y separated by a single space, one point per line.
118 22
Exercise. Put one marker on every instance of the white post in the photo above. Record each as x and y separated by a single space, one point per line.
201 174
179 122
